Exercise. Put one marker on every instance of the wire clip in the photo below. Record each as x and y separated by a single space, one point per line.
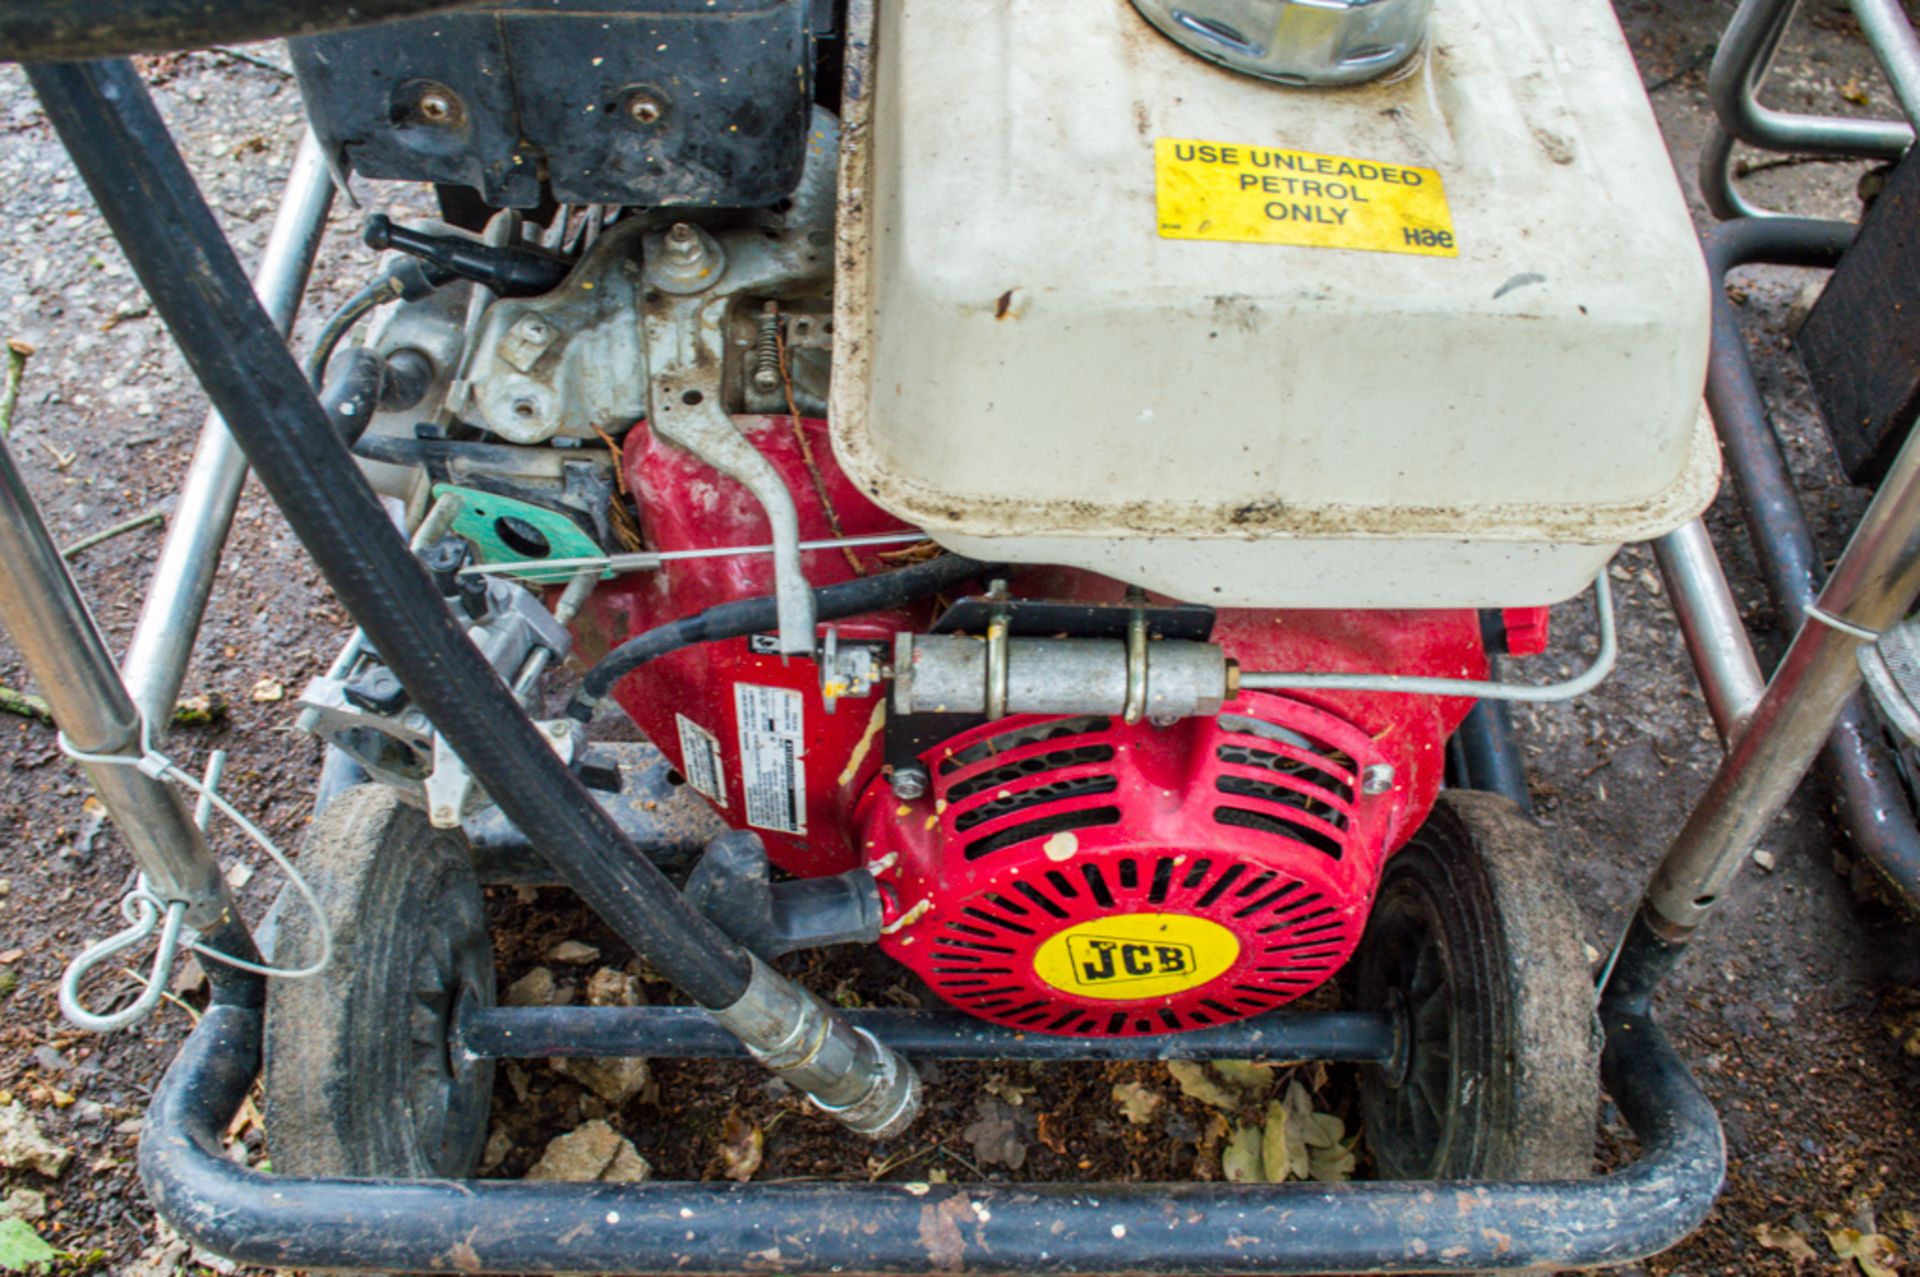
146 912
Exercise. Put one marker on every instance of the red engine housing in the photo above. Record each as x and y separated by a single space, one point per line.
1189 874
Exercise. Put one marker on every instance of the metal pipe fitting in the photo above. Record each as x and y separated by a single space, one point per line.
956 674
847 1073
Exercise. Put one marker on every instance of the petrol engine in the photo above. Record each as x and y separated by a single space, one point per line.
1337 352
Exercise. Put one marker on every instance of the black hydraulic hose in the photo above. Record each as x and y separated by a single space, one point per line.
750 616
107 121
353 393
47 30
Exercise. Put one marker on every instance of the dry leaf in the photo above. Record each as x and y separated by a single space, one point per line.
1256 1079
1011 1092
1332 1165
1781 1238
1197 1084
1853 92
742 1147
1241 1161
1138 1101
1872 1251
1285 1148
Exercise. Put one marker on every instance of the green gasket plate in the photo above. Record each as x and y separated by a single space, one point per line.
479 522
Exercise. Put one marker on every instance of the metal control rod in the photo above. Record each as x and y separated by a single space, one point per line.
163 639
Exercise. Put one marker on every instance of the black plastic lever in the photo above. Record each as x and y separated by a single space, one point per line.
509 272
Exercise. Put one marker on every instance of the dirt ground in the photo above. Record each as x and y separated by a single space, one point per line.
1788 1008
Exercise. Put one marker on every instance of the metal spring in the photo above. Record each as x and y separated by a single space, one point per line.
766 352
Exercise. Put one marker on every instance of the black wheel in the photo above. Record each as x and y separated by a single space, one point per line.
359 1078
1476 942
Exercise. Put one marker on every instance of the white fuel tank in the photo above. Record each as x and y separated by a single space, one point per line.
1435 341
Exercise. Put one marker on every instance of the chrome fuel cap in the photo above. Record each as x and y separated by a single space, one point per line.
1301 42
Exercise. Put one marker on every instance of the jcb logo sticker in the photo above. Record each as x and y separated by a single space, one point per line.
1106 959
1134 957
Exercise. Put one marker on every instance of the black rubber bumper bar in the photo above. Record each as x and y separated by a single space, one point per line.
509 1226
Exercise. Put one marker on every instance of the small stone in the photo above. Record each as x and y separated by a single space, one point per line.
22 1144
1765 859
534 989
24 1203
594 1151
614 1080
610 988
627 1166
499 1145
574 953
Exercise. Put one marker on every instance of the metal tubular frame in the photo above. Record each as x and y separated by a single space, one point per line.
511 1226
1716 638
163 638
689 1033
1878 815
67 657
504 1226
1746 51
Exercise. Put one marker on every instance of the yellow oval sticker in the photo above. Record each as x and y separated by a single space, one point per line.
1135 956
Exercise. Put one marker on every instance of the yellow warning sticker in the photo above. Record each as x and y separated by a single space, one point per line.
1267 195
1135 956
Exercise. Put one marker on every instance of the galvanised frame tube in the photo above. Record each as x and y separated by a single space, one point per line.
118 142
1878 815
1873 586
163 639
512 1226
1748 46
69 661
1710 622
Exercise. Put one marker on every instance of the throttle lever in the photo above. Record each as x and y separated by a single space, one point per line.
509 272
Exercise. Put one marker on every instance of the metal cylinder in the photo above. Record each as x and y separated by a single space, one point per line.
950 674
169 622
69 662
846 1072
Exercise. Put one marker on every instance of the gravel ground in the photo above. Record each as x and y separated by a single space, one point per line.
1786 1007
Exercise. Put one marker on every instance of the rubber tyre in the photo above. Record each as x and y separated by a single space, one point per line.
1476 938
358 1076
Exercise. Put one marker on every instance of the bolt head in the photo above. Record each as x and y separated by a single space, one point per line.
644 106
909 783
438 104
1376 780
